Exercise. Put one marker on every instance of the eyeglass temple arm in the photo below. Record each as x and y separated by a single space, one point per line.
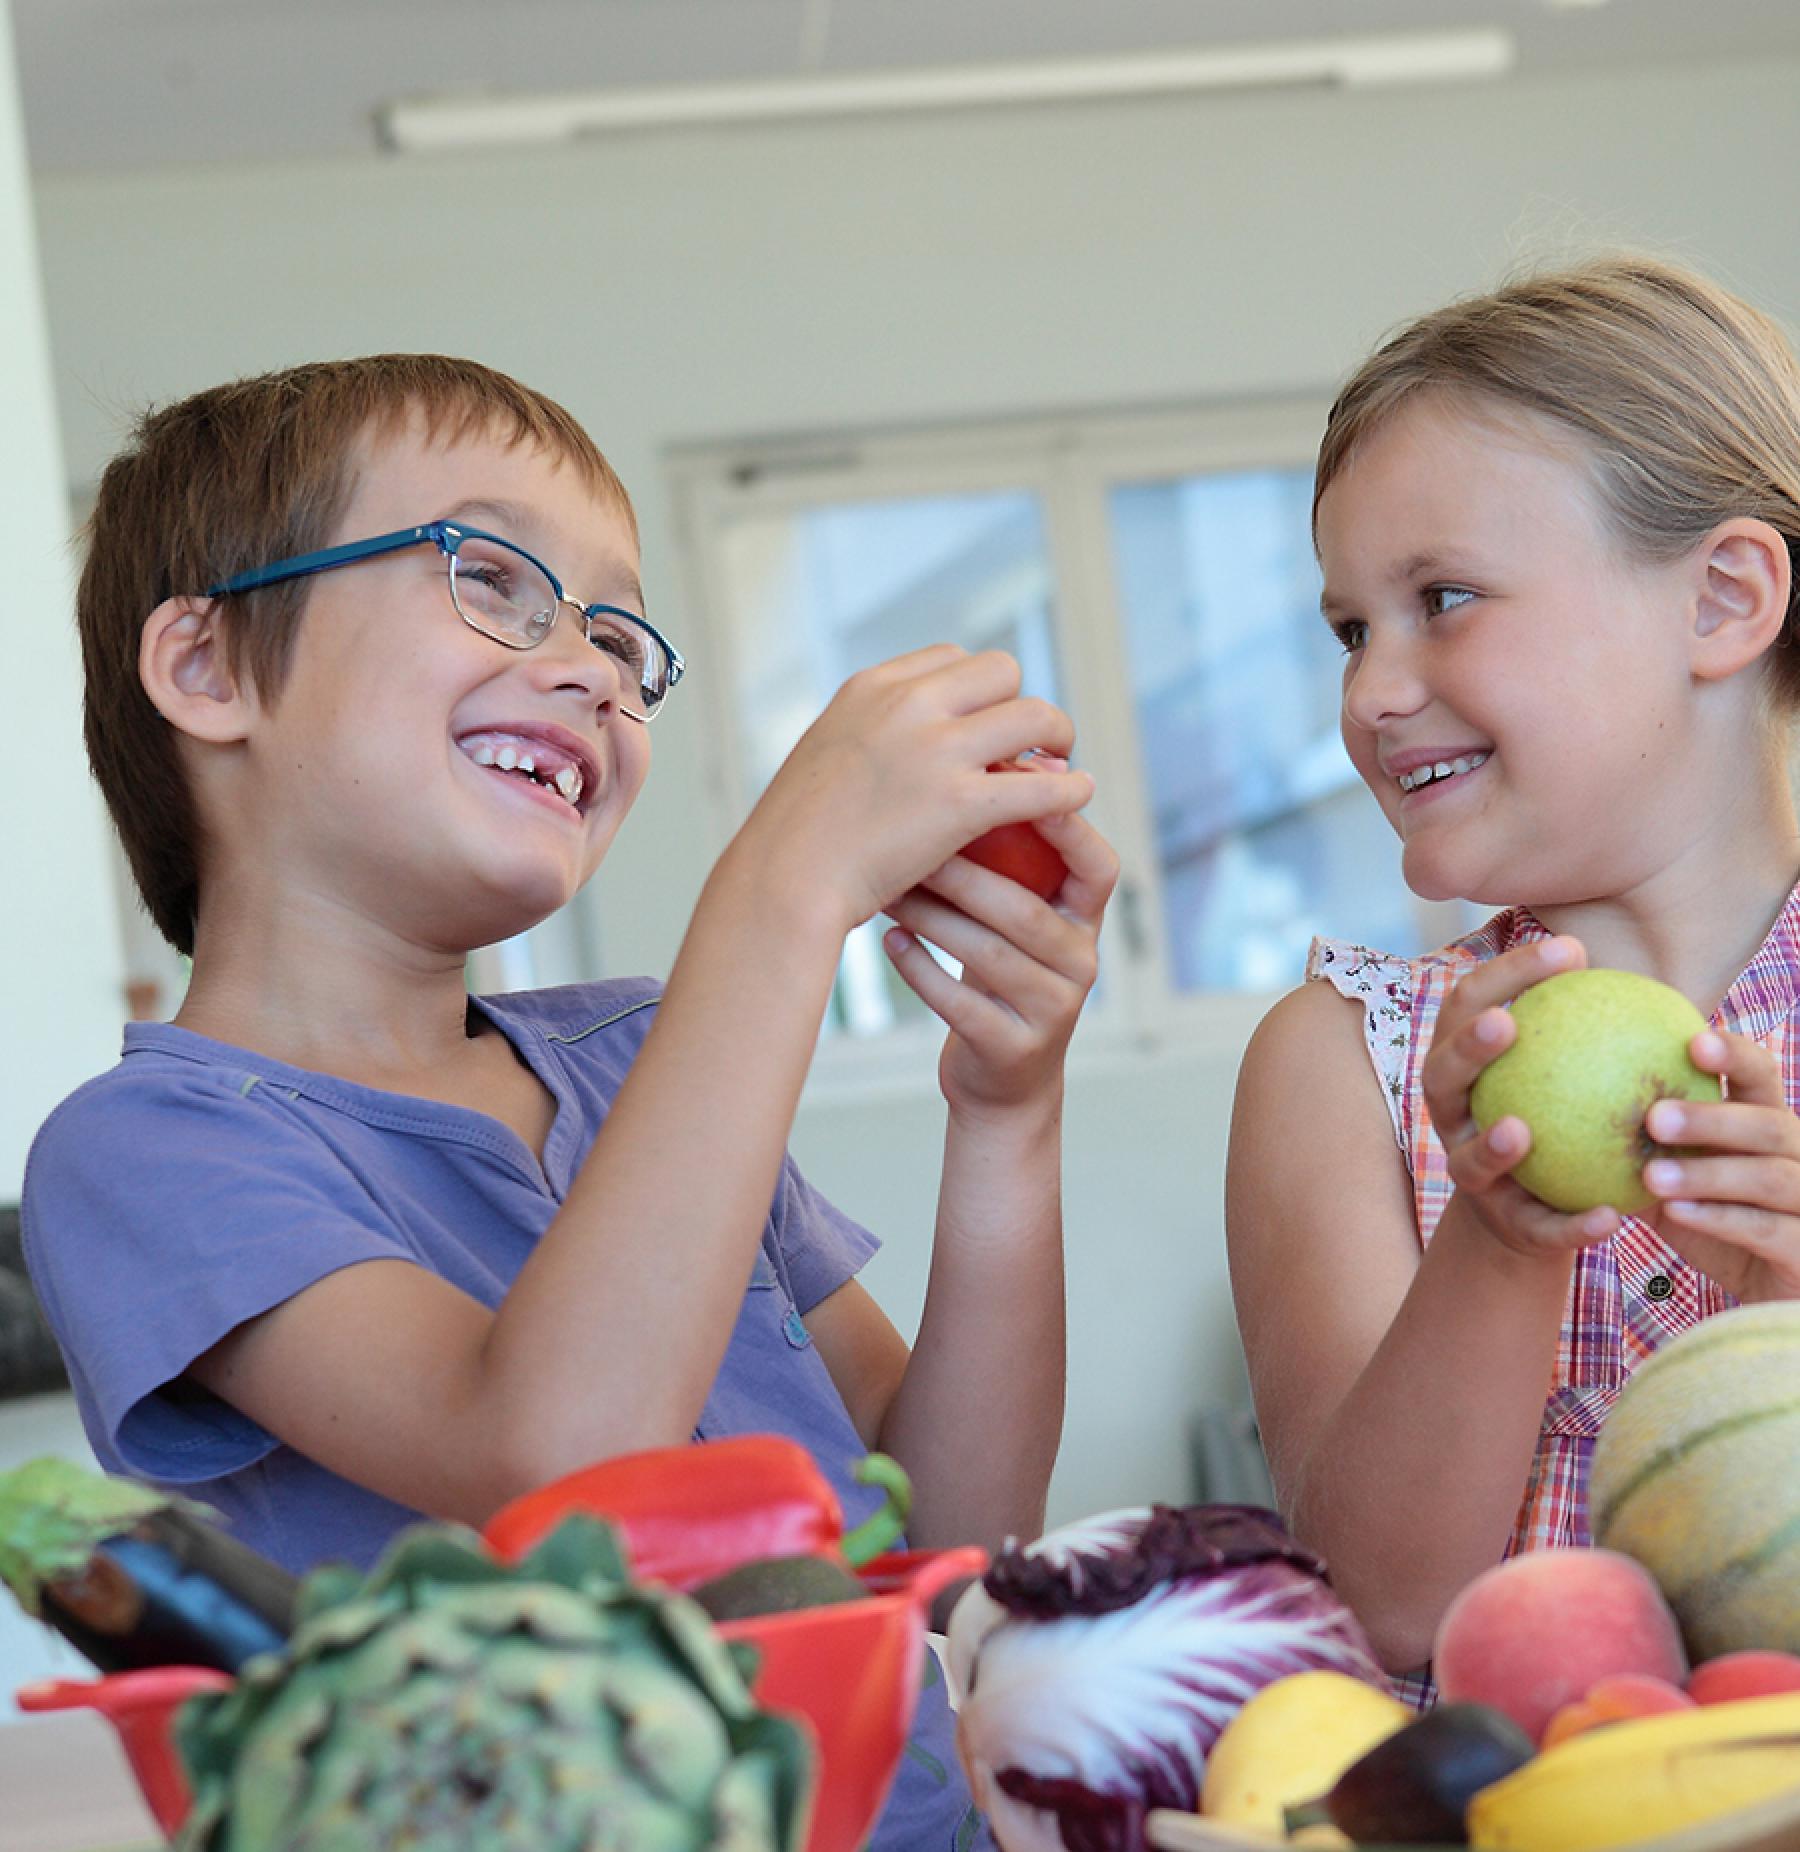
304 564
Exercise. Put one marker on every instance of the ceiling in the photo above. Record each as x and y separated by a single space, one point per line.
133 83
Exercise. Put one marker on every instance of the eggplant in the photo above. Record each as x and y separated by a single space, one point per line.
171 1590
1413 1787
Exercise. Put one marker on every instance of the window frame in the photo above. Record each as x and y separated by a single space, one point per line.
1070 462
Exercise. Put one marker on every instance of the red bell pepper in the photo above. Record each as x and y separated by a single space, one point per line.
691 1513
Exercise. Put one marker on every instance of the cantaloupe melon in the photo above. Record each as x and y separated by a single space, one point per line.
1697 1474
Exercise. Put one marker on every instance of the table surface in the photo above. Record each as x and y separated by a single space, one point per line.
68 1788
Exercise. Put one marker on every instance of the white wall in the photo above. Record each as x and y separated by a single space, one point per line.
59 956
693 286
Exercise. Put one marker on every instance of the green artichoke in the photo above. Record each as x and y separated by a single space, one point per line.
450 1703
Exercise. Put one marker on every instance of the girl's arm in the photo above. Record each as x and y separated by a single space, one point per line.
975 1413
1399 1393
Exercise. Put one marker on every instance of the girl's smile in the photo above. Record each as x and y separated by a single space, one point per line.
1419 774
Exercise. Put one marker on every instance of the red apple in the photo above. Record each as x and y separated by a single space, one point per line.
1017 851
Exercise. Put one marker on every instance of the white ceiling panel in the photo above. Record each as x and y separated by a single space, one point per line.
134 83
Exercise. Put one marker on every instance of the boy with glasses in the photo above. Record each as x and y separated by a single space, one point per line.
341 1244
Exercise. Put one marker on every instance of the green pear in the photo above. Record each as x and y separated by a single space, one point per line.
1595 1051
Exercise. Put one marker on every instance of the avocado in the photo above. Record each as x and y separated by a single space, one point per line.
1412 1787
775 1585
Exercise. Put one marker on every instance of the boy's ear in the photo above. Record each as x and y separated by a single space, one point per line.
1742 598
186 672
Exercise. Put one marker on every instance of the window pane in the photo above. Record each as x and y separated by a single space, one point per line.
1264 832
814 594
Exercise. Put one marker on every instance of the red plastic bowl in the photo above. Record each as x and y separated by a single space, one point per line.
852 1671
141 1706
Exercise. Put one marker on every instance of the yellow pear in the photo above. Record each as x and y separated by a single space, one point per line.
1595 1051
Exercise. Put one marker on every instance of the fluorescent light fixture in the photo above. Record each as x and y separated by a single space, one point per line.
427 124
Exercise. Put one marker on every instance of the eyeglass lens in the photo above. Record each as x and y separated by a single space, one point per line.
506 595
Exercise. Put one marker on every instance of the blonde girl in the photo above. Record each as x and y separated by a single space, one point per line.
1557 527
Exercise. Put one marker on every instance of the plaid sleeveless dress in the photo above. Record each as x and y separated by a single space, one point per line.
1628 1295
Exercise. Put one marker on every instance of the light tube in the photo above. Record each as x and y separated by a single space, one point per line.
435 123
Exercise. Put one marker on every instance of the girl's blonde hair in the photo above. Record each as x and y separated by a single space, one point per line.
1684 399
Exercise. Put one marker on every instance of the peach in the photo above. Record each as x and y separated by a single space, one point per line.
1542 1630
1626 1694
1755 1672
1574 1719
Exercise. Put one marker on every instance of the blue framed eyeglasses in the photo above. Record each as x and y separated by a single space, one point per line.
507 594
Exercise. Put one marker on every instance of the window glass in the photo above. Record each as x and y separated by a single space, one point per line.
815 593
1263 831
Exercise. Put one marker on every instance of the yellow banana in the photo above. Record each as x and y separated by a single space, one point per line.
1289 1743
1626 1782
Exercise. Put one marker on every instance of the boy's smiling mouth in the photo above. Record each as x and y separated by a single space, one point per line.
549 759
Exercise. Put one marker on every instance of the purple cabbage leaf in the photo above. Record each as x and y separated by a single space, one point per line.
1096 1667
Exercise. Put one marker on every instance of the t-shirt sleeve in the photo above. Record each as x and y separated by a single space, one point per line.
159 1215
821 1247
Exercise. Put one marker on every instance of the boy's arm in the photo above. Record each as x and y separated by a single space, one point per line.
975 1413
612 1333
1399 1394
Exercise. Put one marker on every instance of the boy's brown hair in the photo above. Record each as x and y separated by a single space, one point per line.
1683 400
226 481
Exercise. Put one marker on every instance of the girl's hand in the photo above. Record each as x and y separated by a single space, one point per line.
1028 965
1730 1201
1472 1028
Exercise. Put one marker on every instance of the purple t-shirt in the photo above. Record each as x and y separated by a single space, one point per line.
197 1185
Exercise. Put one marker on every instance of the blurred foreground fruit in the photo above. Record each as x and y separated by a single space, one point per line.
1291 1742
1413 1787
1541 1630
1696 1474
1749 1674
1613 1700
1595 1050
1635 1781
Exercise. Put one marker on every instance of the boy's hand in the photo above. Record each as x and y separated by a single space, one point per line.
1732 1206
1472 1028
891 779
1028 965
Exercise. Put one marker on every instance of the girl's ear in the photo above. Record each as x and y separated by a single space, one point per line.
185 670
1743 597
